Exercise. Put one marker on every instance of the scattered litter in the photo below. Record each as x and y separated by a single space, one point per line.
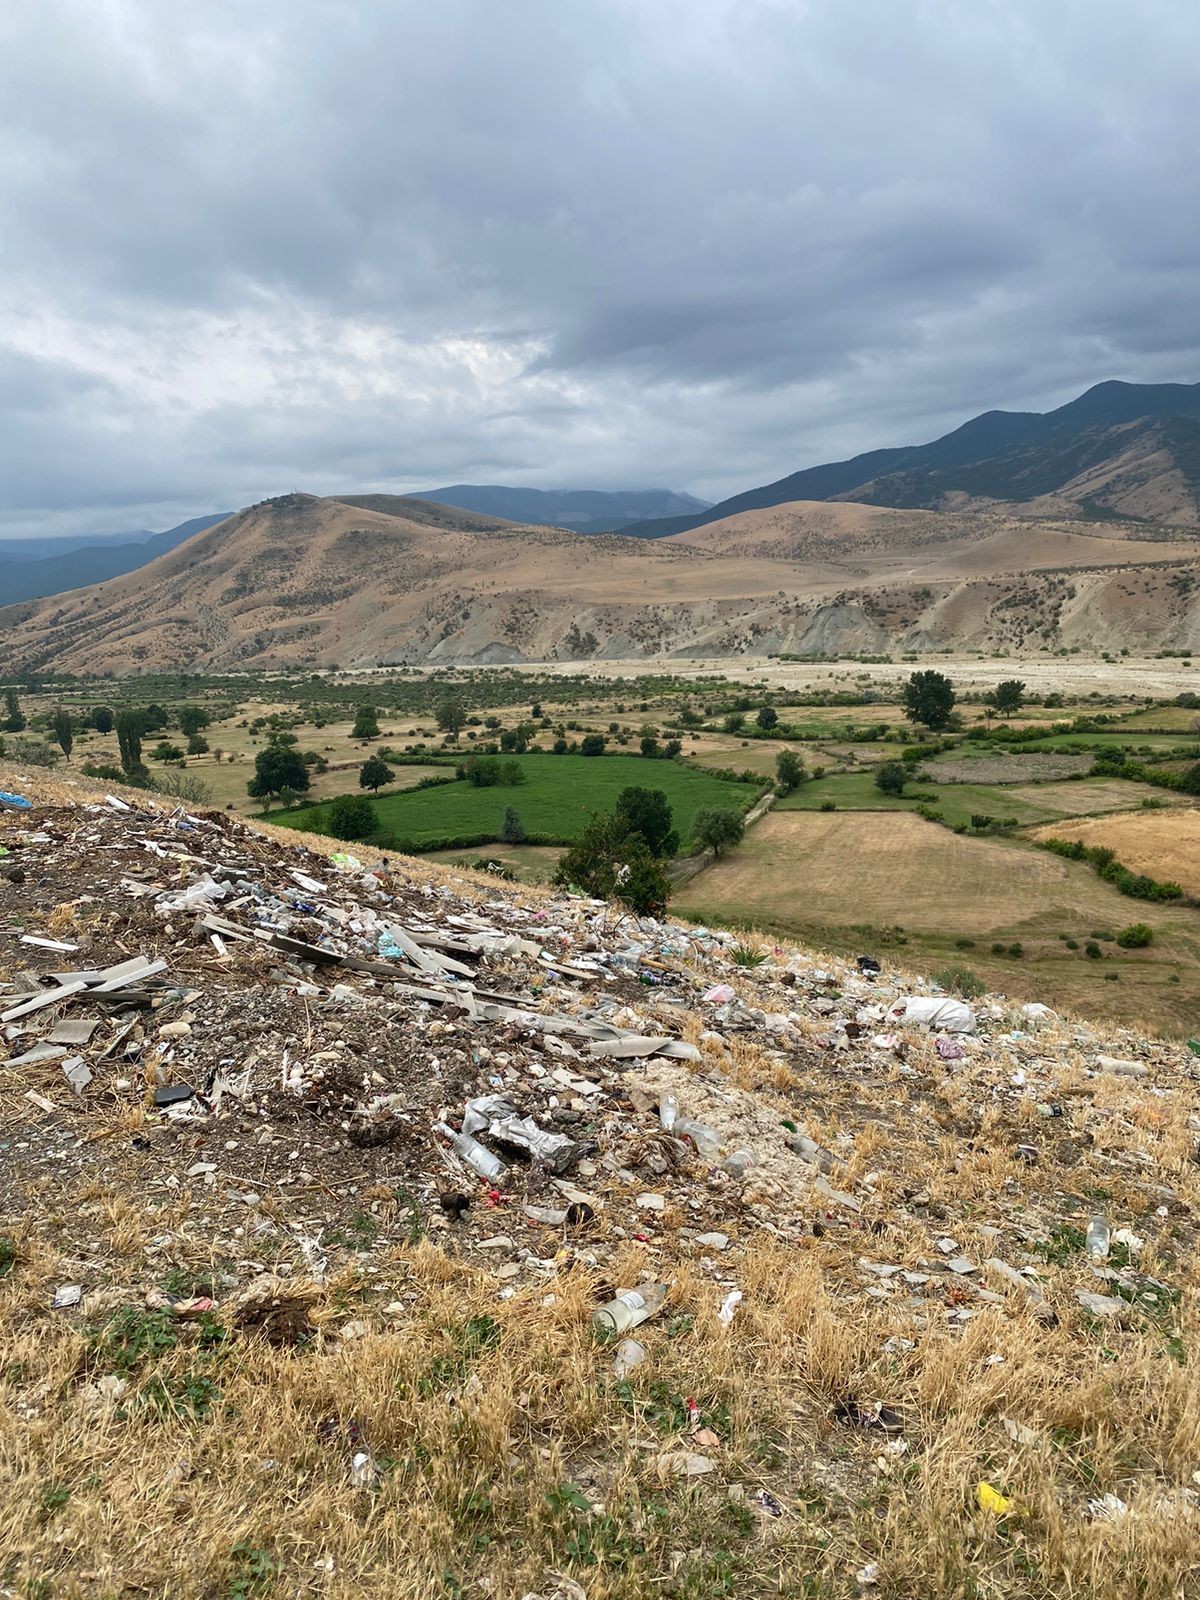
991 1500
67 1295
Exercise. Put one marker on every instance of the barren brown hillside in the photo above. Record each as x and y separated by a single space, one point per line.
365 580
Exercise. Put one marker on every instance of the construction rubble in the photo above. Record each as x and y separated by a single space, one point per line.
330 1055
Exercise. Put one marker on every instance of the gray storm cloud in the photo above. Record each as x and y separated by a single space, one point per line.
603 243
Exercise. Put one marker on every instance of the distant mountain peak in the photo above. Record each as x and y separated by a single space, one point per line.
1087 456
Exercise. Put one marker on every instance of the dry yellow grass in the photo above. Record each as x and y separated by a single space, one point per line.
1162 844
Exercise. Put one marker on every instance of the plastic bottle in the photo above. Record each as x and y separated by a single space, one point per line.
738 1163
1097 1237
702 1136
477 1156
630 1308
668 1111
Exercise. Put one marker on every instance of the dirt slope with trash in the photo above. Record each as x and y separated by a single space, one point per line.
367 1229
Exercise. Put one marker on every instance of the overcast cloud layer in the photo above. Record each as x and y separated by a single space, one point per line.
586 243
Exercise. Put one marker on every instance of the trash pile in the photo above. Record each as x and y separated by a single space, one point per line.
307 1027
329 1054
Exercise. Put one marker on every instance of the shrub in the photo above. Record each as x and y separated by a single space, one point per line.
961 981
891 777
997 949
1092 950
512 829
1135 937
592 744
828 805
352 816
1016 950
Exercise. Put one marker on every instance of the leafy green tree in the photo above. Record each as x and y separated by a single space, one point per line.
512 829
131 728
1008 697
63 728
101 718
789 771
718 829
192 719
374 773
1189 781
352 816
366 723
929 698
197 745
768 717
689 718
482 771
649 746
734 722
156 717
14 717
451 715
559 747
592 744
890 777
612 861
648 813
275 769
166 751
672 749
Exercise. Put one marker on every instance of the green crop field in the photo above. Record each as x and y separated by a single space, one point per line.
556 800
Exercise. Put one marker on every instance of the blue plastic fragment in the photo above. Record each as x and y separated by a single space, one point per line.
17 801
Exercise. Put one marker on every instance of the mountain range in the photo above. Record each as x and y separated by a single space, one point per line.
1119 450
61 564
581 510
1019 533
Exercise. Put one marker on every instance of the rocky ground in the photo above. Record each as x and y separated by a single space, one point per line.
927 1271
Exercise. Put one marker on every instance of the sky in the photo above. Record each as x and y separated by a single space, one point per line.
694 244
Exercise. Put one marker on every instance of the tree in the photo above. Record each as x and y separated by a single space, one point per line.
14 717
366 724
672 748
789 771
1190 780
929 698
592 744
648 813
192 719
535 711
197 745
734 722
890 777
1008 697
559 747
166 751
131 726
155 717
63 729
482 771
768 717
717 830
374 773
649 746
512 829
275 769
352 816
101 718
689 718
451 716
611 861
